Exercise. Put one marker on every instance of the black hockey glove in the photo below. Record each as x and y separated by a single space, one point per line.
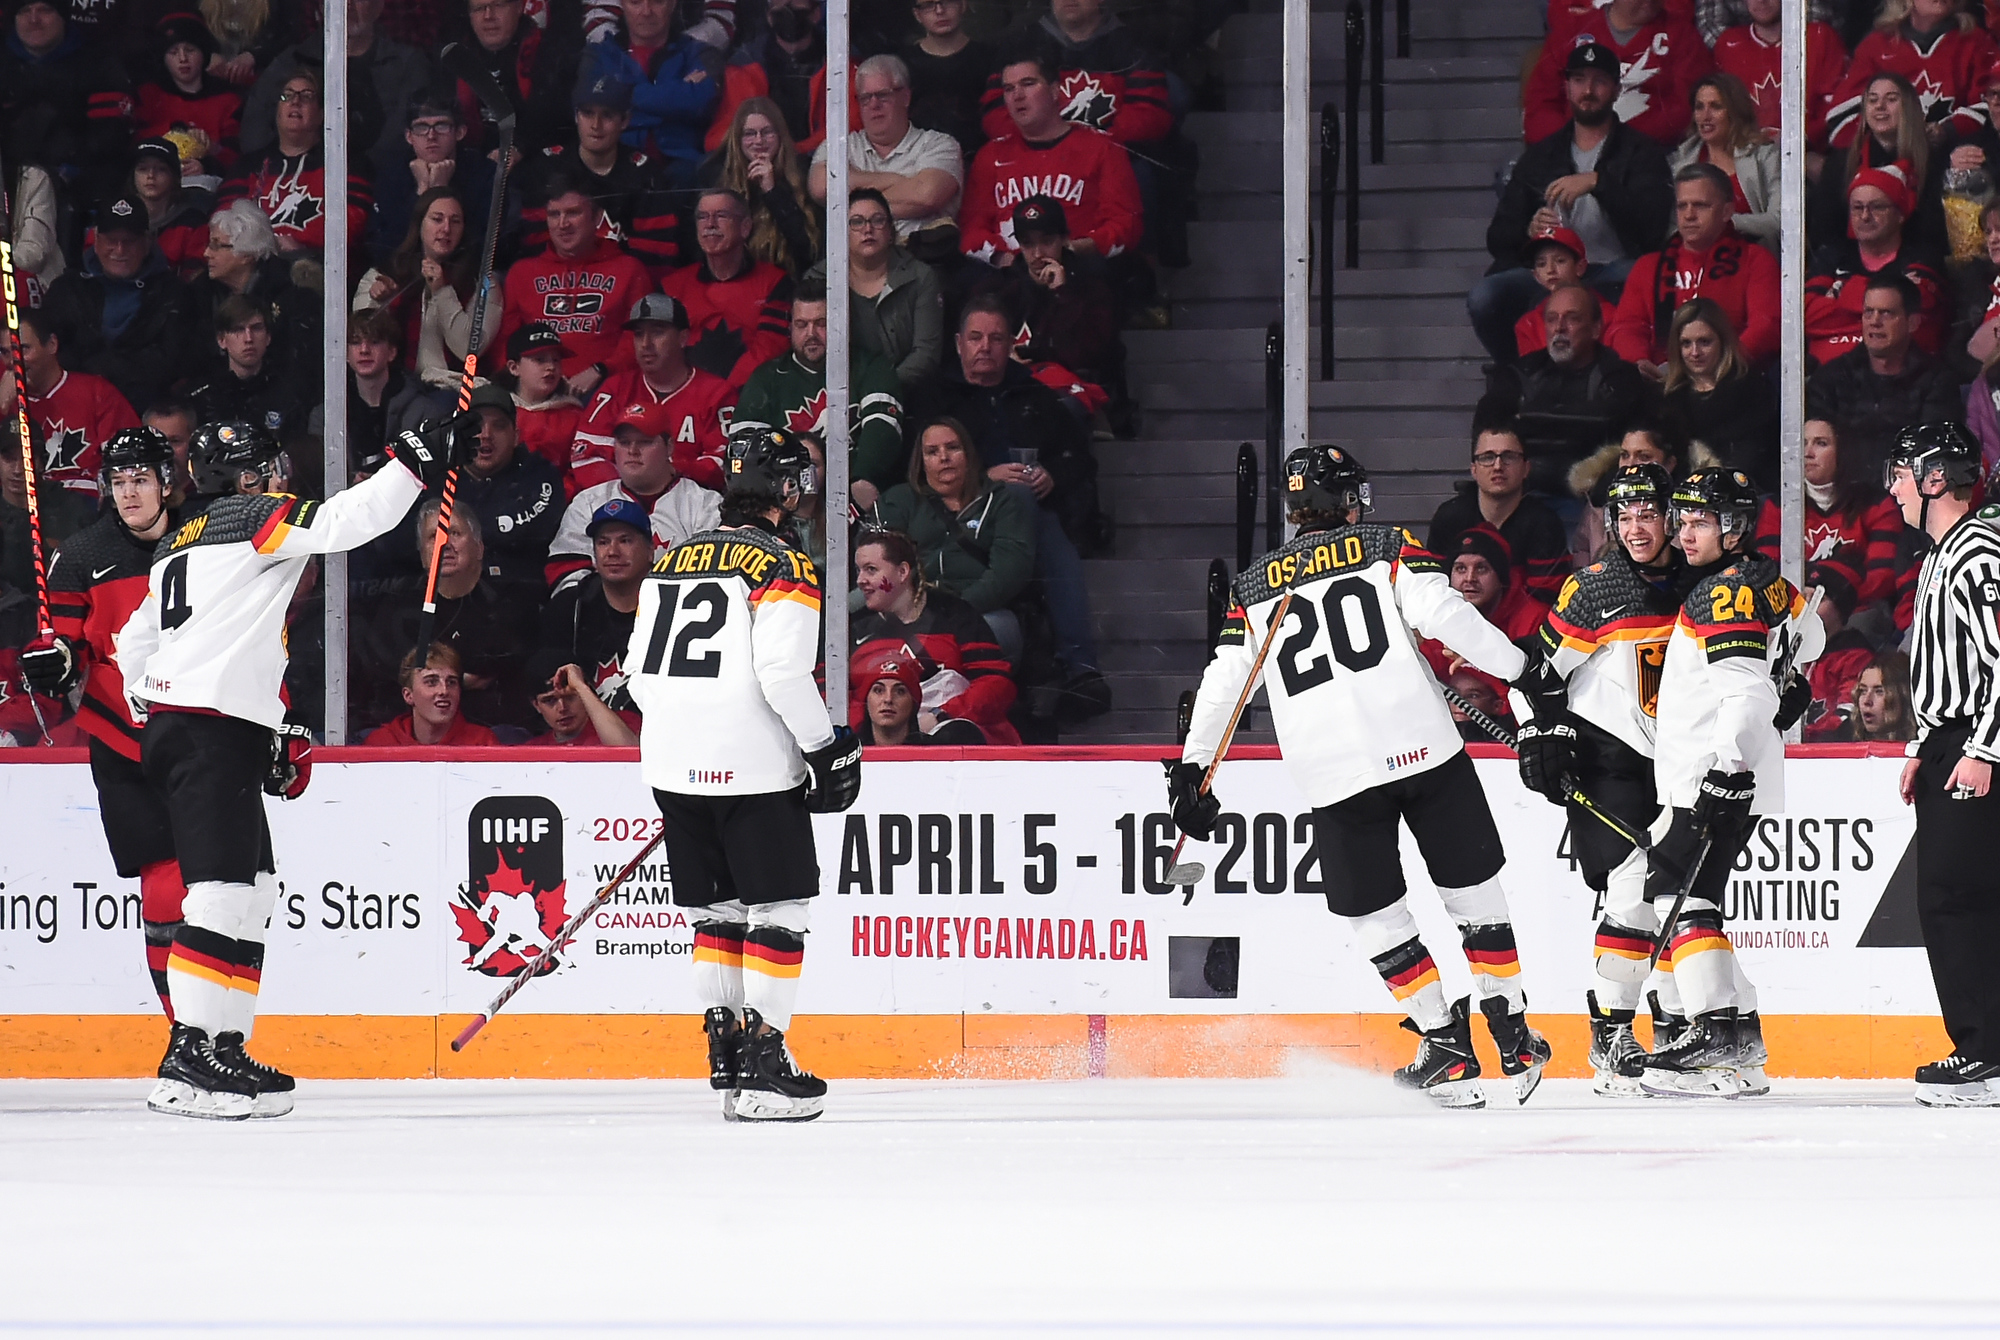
291 762
1539 683
1723 806
833 781
49 664
1793 702
426 451
1195 811
1548 757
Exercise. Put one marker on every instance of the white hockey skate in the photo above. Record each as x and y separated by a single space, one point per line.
1614 1051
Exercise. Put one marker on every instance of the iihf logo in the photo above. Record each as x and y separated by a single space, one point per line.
510 909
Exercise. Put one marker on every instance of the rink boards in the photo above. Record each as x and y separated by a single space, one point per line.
993 915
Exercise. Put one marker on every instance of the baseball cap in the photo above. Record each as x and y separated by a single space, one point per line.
597 88
123 214
163 149
1593 56
650 418
1565 238
622 512
541 668
492 395
534 338
1040 215
658 307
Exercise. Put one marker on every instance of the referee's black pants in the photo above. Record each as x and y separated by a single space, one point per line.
1958 897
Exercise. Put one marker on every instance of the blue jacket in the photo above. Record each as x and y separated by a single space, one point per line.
673 103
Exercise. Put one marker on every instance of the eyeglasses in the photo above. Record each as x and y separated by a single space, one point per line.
493 7
934 6
1487 460
1869 208
718 215
868 223
879 98
430 130
298 95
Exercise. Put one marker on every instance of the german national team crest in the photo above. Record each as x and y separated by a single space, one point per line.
510 909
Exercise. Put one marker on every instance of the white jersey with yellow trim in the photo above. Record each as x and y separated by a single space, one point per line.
1718 694
1353 701
721 663
211 630
1607 638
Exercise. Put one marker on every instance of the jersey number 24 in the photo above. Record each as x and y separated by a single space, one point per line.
686 662
1340 634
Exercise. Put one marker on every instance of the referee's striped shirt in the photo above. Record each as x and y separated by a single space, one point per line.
1955 637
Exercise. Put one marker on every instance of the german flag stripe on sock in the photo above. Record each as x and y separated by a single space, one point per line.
718 946
197 964
247 978
1408 968
771 960
1699 940
1622 942
1406 984
1490 950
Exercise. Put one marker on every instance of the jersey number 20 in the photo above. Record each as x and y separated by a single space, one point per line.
685 664
1298 678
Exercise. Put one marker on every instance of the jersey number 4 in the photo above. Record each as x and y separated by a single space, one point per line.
1340 634
174 607
686 664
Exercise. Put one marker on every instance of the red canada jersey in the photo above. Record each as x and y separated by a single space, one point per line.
734 325
1661 64
1108 84
1835 288
1086 170
214 111
1740 52
549 430
77 417
585 299
96 580
1948 73
698 411
1566 16
1739 275
291 190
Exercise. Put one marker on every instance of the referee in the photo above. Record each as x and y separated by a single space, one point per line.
1954 651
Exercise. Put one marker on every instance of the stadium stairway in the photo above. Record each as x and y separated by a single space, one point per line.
1407 366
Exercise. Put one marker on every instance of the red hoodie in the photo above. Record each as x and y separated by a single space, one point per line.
586 300
1740 275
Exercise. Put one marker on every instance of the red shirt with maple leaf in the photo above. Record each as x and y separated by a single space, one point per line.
585 299
1661 64
699 411
1740 52
291 190
1085 169
1947 67
77 417
737 323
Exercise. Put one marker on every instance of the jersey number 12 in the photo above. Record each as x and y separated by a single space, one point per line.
686 664
1298 678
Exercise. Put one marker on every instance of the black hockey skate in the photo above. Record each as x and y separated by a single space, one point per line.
274 1086
1959 1081
195 1082
1612 1045
770 1085
1523 1051
725 1047
1666 1027
1703 1062
1752 1056
1445 1069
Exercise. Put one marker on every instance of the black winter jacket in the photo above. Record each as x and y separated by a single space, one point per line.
519 509
1872 409
1019 412
1634 188
1565 413
150 354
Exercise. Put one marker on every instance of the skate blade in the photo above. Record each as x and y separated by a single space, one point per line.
1526 1083
1692 1083
272 1104
760 1105
1958 1095
1755 1083
729 1105
176 1098
1457 1093
1611 1084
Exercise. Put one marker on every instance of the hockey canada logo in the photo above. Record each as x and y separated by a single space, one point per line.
510 909
1085 101
572 304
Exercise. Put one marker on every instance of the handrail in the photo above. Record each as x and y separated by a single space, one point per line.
1274 432
1353 156
1218 600
1184 717
1402 29
1375 81
1246 505
1329 190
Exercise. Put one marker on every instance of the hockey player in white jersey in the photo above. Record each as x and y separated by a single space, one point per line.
740 753
203 658
1365 732
1607 639
1719 760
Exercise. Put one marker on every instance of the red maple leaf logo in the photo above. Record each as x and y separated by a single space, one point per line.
509 924
809 417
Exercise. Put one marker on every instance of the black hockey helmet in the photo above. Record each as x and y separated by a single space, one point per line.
134 449
1327 479
768 467
1924 447
1729 494
220 454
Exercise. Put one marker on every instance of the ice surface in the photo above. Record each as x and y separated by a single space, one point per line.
1321 1203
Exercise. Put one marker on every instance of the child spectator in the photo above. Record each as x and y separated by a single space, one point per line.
948 72
759 162
1725 136
573 714
544 410
738 307
644 460
628 185
888 689
426 285
181 93
588 623
697 404
1711 394
962 673
1705 258
433 694
519 496
1556 257
1478 690
251 388
177 216
578 287
288 180
897 311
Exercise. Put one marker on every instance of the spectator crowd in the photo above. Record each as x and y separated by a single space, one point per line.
1017 176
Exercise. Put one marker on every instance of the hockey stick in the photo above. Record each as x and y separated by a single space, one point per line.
562 937
1680 899
1189 875
43 626
497 103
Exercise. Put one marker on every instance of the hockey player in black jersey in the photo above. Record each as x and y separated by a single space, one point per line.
1365 733
1719 760
202 658
740 753
1607 638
